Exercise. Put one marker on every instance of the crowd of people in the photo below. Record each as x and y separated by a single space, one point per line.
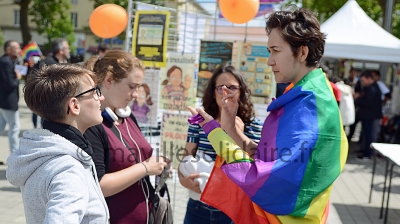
89 156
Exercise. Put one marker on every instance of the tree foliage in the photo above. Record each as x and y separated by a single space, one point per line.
1 38
374 9
52 18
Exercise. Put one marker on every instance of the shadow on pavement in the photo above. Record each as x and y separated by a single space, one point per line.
364 214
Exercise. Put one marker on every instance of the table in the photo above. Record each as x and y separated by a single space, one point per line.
391 153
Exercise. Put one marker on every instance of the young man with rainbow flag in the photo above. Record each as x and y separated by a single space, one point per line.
288 176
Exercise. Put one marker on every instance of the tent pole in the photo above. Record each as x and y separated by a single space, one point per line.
388 27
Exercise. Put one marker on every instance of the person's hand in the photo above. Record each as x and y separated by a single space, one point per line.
356 95
206 116
156 164
229 110
19 76
189 182
239 124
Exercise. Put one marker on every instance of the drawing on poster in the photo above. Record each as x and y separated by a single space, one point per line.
177 87
140 107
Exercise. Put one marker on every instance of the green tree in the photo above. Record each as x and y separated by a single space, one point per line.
52 18
1 38
374 9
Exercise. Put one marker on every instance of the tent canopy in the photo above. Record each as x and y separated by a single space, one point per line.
352 34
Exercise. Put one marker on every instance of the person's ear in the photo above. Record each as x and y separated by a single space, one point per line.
303 53
108 80
74 107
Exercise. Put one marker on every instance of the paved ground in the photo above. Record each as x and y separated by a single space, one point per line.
349 197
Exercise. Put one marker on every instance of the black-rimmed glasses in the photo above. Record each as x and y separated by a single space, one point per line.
96 96
233 88
97 91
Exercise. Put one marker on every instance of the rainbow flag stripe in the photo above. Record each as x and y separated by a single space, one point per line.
302 151
30 50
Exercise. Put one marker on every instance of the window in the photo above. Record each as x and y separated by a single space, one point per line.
74 19
74 2
16 18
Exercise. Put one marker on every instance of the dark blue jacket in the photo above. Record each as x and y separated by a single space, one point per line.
9 90
369 104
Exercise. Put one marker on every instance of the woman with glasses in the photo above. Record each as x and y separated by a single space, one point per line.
53 166
197 143
121 153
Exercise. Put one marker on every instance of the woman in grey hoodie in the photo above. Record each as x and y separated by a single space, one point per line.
53 166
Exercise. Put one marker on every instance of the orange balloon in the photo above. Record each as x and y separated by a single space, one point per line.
108 20
239 11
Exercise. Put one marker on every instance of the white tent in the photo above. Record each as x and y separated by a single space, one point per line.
353 34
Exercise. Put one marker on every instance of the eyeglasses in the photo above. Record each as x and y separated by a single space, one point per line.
96 96
233 88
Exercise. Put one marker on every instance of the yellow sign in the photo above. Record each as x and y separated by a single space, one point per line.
150 37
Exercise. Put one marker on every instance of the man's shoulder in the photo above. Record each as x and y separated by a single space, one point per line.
5 59
49 60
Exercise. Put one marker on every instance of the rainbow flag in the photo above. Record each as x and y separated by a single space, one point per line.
30 50
303 149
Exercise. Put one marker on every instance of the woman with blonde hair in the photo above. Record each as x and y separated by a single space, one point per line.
121 153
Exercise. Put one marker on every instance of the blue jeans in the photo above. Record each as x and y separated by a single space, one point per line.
34 120
12 118
198 212
370 129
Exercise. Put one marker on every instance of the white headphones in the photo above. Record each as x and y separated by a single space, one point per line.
121 112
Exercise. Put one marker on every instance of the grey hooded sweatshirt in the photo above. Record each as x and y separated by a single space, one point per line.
58 180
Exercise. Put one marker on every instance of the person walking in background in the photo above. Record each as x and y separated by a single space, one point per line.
102 49
384 89
53 166
9 92
122 156
357 89
369 111
60 52
347 108
198 145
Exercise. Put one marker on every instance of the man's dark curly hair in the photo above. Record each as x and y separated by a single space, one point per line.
245 110
299 27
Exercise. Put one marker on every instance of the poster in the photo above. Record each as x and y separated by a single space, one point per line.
258 75
178 81
145 106
174 130
150 36
212 55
